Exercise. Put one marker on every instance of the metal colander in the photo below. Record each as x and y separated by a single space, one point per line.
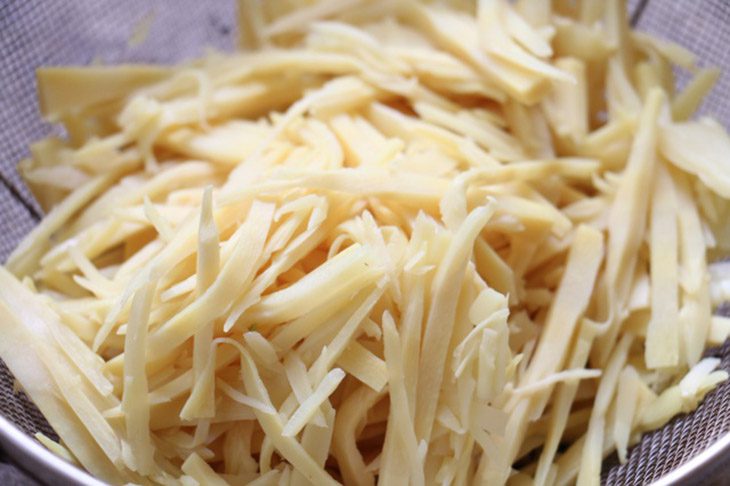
692 449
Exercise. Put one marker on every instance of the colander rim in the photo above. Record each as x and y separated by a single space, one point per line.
45 466
37 461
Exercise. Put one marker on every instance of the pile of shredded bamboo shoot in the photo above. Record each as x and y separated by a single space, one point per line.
388 241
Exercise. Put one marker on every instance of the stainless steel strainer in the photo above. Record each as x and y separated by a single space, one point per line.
693 449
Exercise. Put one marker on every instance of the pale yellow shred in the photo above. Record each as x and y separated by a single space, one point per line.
309 406
685 395
207 269
56 448
687 102
569 303
719 330
628 217
403 434
195 467
567 106
236 272
439 327
351 414
158 221
627 396
135 399
95 444
700 148
567 375
359 362
403 242
64 89
490 17
26 254
296 373
592 454
662 335
563 402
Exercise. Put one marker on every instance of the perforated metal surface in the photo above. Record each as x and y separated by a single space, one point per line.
57 32
704 28
683 438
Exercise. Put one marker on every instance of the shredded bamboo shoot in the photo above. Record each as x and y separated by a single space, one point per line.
402 242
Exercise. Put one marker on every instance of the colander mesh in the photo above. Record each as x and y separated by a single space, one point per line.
57 32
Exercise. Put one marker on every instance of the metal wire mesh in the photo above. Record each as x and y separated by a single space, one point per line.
56 32
683 438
